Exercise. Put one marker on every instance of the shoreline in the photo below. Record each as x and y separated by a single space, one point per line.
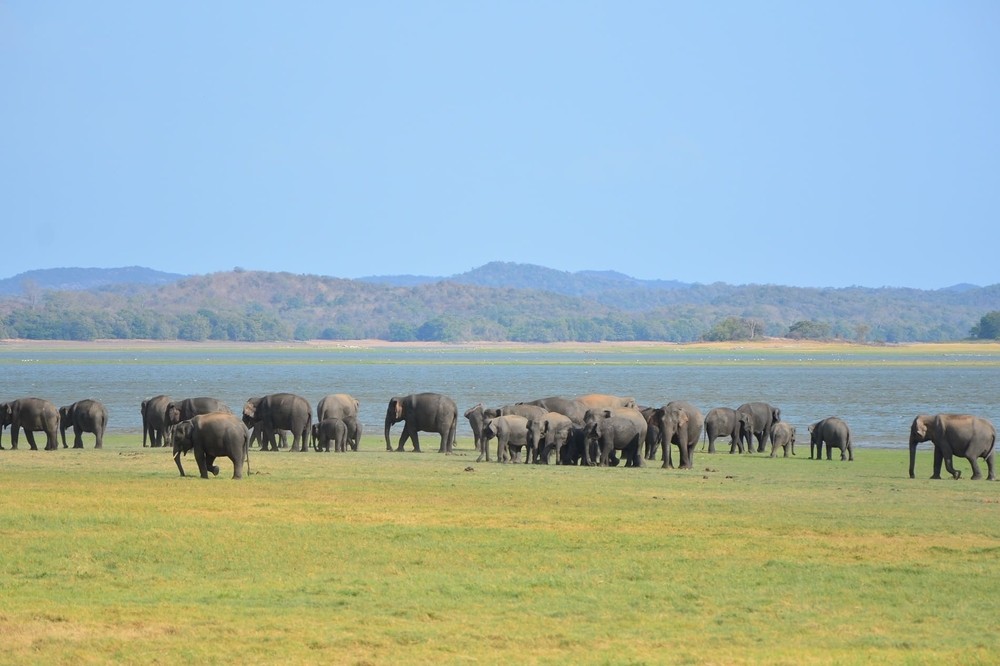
765 344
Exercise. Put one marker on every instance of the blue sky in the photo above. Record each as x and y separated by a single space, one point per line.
798 143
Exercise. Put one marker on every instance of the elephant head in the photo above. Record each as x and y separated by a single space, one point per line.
775 415
314 436
250 411
394 413
921 430
182 442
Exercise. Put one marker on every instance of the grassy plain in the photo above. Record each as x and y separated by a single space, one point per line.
385 558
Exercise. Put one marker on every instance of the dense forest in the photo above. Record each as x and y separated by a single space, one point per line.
496 302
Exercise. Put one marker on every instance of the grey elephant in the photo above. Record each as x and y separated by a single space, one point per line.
342 406
605 401
680 423
422 412
184 410
257 437
833 432
211 436
574 409
727 422
4 422
548 434
477 415
617 432
764 417
330 430
83 416
965 435
32 415
280 411
593 417
154 419
511 432
783 437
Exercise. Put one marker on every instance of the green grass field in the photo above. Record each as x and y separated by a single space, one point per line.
386 558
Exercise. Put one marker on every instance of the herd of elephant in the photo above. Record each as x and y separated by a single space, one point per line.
593 429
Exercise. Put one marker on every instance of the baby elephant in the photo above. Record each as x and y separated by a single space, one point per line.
330 430
834 433
783 436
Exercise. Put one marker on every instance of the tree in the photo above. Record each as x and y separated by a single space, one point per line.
731 328
988 327
809 330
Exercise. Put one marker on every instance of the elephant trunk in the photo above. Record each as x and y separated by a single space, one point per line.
177 459
388 424
913 455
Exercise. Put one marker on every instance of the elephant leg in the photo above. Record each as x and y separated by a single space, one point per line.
77 438
403 438
210 464
976 474
199 457
938 459
949 465
991 474
238 466
30 436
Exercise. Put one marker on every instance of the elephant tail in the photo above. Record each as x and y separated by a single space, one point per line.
246 450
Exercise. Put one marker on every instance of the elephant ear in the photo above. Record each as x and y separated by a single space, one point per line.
682 418
812 427
249 409
920 427
776 414
396 405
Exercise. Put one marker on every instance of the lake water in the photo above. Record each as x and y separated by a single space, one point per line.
878 394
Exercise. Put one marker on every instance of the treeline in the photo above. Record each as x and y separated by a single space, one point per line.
255 306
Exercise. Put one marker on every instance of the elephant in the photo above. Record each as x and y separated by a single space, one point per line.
330 430
726 422
632 414
680 423
212 436
154 419
341 406
764 417
783 435
574 409
33 415
605 401
83 416
511 431
280 411
184 410
964 435
422 412
616 430
4 422
833 432
548 433
476 415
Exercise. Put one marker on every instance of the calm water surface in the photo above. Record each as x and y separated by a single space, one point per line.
878 395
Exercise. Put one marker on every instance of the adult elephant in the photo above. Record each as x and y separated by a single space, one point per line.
727 422
211 436
184 410
280 411
574 409
154 419
83 416
605 401
511 432
970 437
341 406
764 416
33 415
680 423
783 437
833 432
422 412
